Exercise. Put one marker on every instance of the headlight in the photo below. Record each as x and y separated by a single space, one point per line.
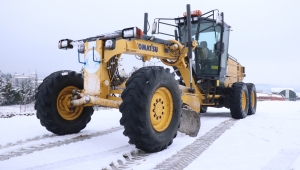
65 43
194 18
110 44
133 32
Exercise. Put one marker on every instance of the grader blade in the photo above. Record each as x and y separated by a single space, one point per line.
190 122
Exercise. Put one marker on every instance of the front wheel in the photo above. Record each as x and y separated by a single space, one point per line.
151 108
53 104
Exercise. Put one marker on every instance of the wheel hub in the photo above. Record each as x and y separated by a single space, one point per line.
158 109
161 109
253 99
244 100
64 107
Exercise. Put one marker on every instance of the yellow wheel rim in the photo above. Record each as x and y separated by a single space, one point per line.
244 100
63 104
253 99
161 109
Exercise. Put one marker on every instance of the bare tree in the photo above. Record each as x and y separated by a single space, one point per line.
36 85
26 93
1 88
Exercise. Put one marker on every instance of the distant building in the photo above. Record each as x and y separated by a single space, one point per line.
17 79
273 92
278 90
288 93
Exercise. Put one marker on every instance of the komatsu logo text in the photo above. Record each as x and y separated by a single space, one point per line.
145 47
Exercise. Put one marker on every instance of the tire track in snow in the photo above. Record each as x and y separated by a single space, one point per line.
132 158
34 148
87 158
183 158
21 142
188 154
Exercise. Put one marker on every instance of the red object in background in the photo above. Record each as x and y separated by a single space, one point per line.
271 97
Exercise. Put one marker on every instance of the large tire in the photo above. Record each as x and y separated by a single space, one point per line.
52 101
252 98
151 108
203 109
239 100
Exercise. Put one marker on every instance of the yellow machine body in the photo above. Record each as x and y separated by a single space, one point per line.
97 84
153 102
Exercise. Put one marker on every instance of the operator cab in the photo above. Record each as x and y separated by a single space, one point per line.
210 55
212 36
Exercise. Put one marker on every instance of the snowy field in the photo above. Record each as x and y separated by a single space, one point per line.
270 139
16 110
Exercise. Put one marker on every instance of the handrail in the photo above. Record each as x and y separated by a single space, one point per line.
232 57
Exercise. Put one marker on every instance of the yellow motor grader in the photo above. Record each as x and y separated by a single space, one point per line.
154 104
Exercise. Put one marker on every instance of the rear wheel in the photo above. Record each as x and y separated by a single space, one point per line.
53 104
252 98
151 108
239 100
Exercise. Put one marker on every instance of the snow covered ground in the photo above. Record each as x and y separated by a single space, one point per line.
10 111
270 139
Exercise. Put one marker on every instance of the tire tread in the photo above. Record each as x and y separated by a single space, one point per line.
49 118
133 108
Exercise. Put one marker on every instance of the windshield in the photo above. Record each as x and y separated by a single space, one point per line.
204 55
208 32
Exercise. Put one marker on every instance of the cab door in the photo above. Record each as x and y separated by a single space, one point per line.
224 56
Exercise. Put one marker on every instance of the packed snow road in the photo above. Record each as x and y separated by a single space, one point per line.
266 140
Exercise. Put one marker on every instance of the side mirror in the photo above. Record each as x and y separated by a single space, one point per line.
154 26
219 48
65 44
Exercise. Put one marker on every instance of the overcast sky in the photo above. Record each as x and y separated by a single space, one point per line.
265 37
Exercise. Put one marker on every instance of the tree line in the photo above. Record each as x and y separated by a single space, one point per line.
21 93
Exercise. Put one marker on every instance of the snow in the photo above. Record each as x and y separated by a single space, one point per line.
9 111
252 142
267 140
